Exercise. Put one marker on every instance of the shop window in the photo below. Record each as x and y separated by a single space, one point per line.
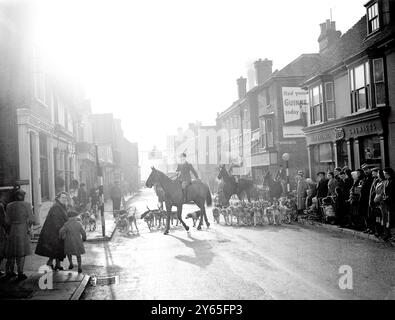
44 167
379 83
370 151
342 153
325 152
329 101
373 18
360 87
316 104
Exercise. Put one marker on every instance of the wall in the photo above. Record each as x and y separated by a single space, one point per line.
391 90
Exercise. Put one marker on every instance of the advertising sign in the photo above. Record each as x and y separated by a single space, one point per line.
295 101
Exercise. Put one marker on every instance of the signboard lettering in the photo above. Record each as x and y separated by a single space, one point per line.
295 101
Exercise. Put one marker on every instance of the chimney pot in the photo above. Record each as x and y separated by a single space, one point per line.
263 69
242 87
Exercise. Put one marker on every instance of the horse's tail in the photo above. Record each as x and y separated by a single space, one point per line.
209 199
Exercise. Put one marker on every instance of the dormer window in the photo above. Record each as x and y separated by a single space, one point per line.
373 18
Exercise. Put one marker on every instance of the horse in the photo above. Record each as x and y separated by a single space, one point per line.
231 187
198 192
275 188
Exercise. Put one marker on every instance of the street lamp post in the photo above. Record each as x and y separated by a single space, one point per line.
286 159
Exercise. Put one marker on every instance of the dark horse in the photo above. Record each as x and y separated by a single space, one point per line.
231 187
197 192
275 188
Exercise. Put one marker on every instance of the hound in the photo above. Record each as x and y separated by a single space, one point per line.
226 212
131 218
88 220
195 216
216 214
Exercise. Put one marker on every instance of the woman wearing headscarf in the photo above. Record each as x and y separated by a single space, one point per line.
19 218
389 203
49 244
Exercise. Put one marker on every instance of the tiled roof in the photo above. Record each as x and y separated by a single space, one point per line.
304 65
353 42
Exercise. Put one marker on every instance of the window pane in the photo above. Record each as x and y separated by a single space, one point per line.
352 80
269 125
359 77
378 70
316 95
361 99
330 112
329 91
367 72
380 93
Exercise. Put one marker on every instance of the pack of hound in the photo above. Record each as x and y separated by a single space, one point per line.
241 213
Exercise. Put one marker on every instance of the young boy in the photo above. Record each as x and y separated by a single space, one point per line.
73 235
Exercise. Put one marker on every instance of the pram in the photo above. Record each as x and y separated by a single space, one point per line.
327 207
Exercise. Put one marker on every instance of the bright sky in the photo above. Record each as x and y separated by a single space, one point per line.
160 64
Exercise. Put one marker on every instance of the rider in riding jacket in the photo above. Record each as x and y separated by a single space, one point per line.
184 170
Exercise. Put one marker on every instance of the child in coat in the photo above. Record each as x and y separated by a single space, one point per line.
73 235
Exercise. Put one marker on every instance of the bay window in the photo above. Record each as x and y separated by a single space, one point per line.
379 83
263 128
270 135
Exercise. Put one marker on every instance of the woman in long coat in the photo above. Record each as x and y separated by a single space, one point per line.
301 192
19 217
73 235
3 227
49 244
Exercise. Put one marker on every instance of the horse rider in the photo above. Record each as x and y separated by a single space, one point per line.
184 170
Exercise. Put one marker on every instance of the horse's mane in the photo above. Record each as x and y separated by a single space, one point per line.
163 175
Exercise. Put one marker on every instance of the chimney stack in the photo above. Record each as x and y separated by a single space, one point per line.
242 87
263 70
329 35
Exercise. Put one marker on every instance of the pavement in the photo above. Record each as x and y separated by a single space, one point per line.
67 285
231 263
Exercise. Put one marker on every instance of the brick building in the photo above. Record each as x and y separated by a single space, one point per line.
351 120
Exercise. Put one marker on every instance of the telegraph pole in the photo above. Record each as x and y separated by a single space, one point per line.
101 192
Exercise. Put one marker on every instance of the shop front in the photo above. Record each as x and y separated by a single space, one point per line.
350 141
261 163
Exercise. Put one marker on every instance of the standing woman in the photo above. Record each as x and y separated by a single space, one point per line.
49 244
19 218
378 203
389 203
355 198
3 228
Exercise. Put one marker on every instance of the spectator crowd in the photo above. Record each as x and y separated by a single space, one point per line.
363 199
